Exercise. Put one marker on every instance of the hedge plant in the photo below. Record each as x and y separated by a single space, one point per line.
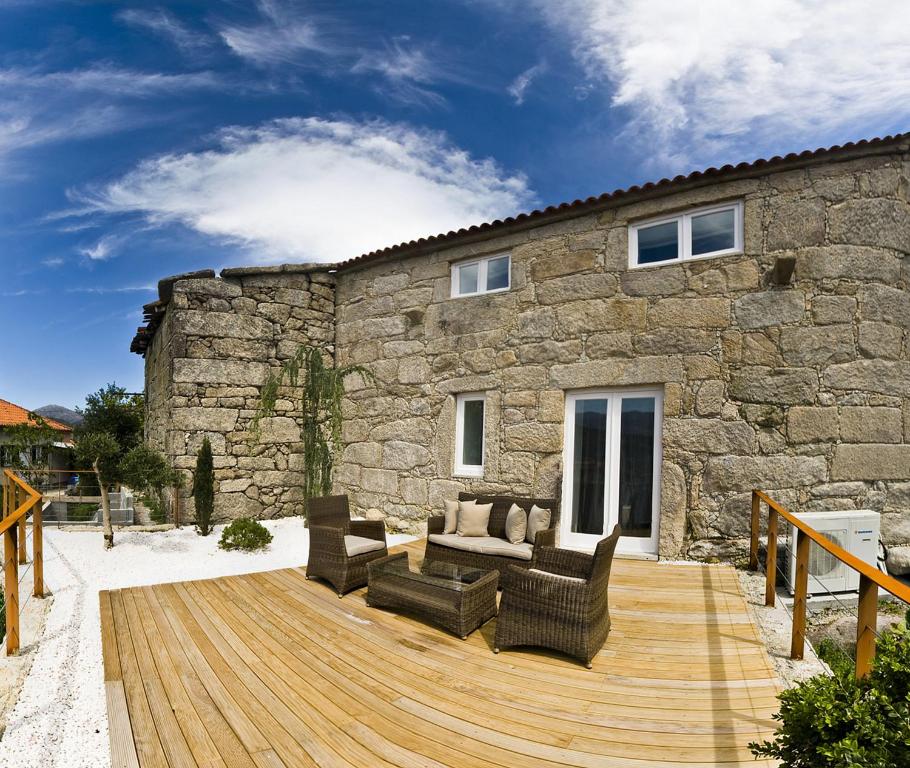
836 721
246 534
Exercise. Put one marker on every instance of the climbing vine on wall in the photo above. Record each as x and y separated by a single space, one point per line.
321 390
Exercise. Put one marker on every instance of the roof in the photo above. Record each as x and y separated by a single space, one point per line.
12 415
632 194
154 311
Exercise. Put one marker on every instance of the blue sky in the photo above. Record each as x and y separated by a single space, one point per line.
139 140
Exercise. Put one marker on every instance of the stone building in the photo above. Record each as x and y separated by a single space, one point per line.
649 355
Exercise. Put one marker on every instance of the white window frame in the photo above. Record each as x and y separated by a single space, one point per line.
684 235
469 470
481 275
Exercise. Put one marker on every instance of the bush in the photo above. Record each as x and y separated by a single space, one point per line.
837 721
246 534
204 488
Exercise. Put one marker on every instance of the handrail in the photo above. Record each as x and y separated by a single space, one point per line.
12 527
870 579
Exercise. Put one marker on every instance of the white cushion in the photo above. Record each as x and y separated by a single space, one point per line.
486 545
473 518
573 579
516 524
451 511
538 520
358 545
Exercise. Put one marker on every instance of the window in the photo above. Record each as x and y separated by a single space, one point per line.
705 232
469 438
487 275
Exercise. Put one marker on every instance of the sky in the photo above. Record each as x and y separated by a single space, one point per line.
144 139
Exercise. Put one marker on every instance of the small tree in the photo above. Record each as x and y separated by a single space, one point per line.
321 396
115 411
204 488
101 450
21 439
146 470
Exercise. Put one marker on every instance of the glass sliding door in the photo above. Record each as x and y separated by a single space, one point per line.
612 468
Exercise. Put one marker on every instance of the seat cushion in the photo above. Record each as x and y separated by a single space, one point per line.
473 518
453 540
485 545
358 545
503 548
571 579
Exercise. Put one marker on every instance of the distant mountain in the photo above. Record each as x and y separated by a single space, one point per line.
60 413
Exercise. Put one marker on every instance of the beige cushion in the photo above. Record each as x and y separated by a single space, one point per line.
486 545
358 545
473 518
516 524
503 548
451 516
538 520
573 579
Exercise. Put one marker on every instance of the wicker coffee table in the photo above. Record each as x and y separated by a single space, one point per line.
456 597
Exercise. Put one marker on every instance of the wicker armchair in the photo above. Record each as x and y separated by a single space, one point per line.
561 603
341 548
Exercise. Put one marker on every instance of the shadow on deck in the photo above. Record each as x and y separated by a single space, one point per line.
270 670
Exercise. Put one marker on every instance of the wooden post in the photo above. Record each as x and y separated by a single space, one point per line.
23 543
11 589
771 559
756 524
38 549
798 638
866 624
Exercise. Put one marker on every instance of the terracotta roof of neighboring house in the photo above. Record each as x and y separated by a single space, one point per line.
154 312
12 415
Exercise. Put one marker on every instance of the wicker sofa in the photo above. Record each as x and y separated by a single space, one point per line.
492 552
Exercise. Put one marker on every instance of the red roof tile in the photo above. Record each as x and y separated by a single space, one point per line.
12 415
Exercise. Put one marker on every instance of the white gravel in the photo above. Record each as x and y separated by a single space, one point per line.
60 718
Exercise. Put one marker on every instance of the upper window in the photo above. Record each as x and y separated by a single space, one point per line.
698 234
469 439
487 275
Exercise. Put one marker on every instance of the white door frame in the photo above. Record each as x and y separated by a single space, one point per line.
614 396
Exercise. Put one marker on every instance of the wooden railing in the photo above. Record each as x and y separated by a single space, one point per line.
19 501
870 579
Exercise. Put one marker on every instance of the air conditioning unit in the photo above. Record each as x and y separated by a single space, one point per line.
856 531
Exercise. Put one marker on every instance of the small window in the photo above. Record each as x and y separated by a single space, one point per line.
469 437
487 275
699 234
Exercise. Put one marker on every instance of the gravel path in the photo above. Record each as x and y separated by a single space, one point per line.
60 719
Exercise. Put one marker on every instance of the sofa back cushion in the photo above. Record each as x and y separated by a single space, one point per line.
516 524
502 505
538 520
473 518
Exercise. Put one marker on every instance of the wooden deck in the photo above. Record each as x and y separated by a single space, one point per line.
270 670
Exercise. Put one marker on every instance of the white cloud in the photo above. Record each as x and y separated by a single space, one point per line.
519 86
52 262
113 289
317 190
702 77
279 38
40 107
104 249
165 24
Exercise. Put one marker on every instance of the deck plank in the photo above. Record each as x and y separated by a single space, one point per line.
270 670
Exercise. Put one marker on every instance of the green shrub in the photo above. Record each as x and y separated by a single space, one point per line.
837 721
246 534
82 512
840 660
204 488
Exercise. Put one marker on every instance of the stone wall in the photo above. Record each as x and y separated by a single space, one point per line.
205 366
802 389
